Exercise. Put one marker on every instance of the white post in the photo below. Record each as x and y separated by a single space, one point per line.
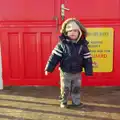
1 80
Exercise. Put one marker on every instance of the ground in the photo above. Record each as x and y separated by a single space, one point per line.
41 103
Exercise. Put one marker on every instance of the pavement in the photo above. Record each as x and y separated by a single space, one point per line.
42 103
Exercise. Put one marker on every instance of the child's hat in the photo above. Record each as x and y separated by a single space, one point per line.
72 25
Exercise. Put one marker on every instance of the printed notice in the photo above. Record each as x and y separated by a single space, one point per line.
101 47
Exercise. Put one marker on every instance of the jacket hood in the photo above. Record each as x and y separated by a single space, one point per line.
82 28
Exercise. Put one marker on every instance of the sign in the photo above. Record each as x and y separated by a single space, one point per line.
101 47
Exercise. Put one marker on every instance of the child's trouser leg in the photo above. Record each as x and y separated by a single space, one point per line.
75 92
65 87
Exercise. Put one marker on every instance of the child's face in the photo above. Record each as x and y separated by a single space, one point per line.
73 34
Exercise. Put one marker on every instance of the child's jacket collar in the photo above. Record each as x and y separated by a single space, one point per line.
64 38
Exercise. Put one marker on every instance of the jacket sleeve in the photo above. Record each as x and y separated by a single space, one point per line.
54 58
87 61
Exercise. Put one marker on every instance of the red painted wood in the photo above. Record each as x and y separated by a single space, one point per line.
28 35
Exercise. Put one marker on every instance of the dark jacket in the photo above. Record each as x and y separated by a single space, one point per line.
71 56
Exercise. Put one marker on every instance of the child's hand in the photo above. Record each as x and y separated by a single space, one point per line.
46 73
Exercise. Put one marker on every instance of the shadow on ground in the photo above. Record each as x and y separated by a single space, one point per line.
100 103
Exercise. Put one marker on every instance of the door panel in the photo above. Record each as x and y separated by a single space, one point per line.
30 55
28 34
25 54
28 9
13 51
92 9
99 14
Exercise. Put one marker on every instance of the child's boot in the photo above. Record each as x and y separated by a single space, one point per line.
63 105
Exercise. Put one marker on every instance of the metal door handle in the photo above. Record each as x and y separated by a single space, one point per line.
63 8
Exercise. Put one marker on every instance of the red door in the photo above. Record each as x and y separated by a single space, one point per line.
28 34
99 14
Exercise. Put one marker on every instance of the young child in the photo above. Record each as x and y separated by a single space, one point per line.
73 55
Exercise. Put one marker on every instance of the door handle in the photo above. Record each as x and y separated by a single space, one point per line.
63 8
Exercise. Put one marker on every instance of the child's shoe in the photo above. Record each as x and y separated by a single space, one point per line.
79 105
63 105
